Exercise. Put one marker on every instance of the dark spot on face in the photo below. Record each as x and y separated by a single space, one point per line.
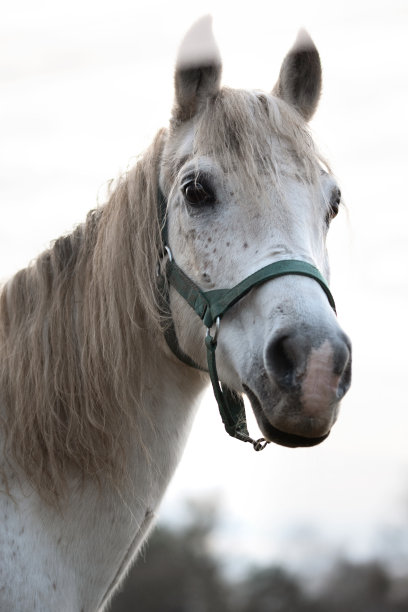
215 250
228 244
245 245
54 586
231 193
209 239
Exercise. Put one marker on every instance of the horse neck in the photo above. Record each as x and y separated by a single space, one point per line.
170 396
101 528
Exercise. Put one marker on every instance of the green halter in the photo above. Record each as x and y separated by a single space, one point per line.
210 306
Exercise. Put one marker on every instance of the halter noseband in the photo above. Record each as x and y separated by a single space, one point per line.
210 306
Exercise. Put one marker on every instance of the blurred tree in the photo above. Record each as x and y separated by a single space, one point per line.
179 573
358 587
271 589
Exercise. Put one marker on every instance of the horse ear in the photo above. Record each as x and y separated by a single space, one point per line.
300 78
198 70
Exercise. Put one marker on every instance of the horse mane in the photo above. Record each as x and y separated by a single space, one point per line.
72 326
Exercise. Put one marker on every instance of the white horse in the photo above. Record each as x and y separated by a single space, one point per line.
103 359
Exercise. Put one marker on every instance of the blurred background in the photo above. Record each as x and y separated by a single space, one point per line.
84 86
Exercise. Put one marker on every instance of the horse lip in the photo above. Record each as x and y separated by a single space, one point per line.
272 434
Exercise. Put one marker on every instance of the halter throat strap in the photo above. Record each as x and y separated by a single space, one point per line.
210 306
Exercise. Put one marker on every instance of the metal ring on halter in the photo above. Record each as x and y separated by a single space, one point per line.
169 253
159 265
259 444
217 329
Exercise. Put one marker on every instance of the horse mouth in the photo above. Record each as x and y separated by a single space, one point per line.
273 434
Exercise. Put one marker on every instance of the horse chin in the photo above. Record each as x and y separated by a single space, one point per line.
279 436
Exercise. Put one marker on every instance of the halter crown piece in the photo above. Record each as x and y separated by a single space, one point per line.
210 306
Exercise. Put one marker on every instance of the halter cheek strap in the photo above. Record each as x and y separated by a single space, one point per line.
210 306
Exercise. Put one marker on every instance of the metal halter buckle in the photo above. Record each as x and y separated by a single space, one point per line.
159 267
217 329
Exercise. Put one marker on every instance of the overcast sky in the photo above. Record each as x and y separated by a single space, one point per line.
85 86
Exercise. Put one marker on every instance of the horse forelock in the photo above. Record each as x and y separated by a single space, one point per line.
253 133
73 327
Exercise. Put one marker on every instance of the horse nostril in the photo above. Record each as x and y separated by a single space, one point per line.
281 360
293 358
342 366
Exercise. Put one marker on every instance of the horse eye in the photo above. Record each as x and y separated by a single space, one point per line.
334 204
197 194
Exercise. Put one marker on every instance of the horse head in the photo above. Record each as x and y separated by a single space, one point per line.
245 188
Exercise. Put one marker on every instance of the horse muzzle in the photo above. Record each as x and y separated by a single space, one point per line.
296 396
